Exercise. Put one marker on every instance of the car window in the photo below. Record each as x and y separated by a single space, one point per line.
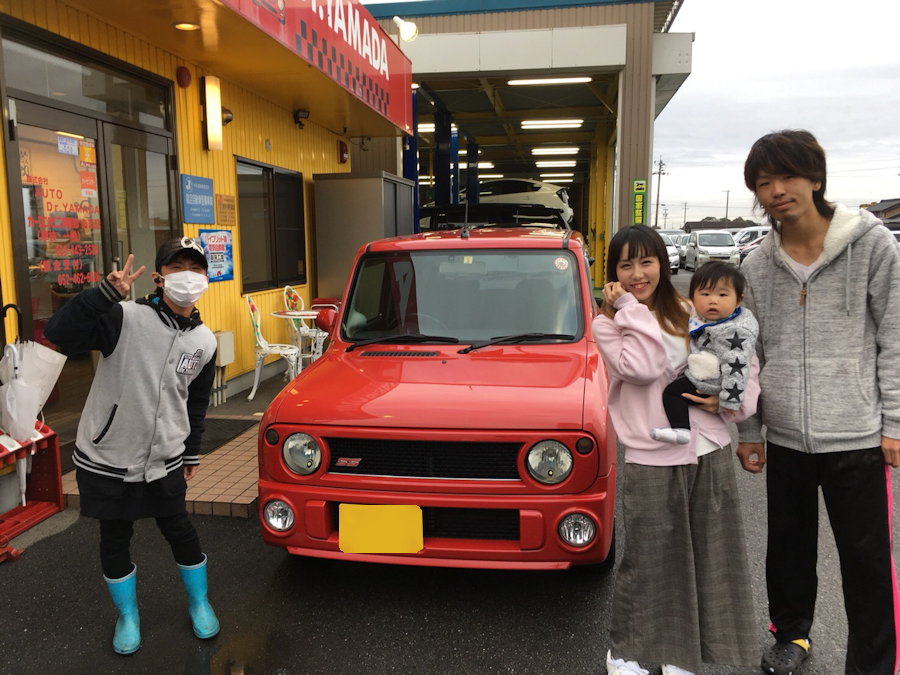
745 237
716 239
467 294
666 240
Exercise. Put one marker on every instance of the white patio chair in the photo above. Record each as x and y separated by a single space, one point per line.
263 349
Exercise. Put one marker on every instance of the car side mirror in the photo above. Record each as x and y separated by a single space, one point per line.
693 244
326 319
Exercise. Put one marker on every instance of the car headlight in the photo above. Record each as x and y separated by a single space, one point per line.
736 252
549 462
577 529
278 515
301 453
702 251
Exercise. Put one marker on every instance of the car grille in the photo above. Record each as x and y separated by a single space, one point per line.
444 523
424 459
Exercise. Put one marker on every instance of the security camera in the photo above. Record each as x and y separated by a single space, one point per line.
299 116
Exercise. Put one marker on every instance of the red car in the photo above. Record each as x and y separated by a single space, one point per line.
457 418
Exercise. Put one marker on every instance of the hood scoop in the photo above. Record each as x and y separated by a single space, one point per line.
398 353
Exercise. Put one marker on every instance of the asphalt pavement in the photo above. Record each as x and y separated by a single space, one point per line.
284 615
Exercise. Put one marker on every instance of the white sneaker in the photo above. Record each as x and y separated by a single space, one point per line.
667 435
623 667
674 670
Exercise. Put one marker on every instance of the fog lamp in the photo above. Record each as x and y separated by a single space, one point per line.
278 515
577 530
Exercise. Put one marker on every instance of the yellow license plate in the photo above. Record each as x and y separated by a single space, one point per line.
380 529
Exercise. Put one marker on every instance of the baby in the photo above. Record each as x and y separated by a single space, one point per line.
723 339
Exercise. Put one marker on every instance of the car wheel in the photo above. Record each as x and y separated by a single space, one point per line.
606 565
674 270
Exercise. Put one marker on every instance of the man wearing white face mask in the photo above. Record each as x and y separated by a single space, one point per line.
139 435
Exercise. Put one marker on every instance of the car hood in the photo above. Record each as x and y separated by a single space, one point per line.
497 387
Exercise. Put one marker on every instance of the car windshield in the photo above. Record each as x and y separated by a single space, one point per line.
716 239
746 237
666 240
472 295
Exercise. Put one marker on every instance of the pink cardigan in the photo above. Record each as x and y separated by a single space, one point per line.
635 356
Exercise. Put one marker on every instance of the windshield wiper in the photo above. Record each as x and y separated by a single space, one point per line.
402 338
522 337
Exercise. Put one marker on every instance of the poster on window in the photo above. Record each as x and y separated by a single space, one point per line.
217 246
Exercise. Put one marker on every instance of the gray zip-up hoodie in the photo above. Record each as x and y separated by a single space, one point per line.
829 349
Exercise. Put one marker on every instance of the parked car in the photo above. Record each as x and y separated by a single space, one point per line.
462 384
706 245
748 234
524 191
752 246
682 249
672 252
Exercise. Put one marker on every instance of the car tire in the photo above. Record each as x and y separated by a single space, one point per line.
674 270
606 565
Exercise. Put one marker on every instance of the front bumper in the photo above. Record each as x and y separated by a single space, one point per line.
538 545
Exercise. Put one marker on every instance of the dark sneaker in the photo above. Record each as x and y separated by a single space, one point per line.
784 658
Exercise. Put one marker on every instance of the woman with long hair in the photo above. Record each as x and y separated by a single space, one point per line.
682 595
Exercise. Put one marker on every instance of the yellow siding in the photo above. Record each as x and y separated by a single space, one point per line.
309 151
7 282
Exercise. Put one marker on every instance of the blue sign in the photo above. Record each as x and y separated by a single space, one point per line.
197 200
217 246
412 8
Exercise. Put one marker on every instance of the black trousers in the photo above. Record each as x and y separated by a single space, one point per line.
115 540
856 487
676 406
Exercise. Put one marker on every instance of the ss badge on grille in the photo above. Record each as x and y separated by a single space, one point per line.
348 461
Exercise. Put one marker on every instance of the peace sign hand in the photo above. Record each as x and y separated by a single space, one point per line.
123 279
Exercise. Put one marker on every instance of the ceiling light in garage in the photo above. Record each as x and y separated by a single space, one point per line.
560 180
427 127
415 85
550 80
552 124
557 175
491 175
186 25
481 165
556 163
554 151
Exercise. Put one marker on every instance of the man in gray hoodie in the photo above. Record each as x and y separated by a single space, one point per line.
825 288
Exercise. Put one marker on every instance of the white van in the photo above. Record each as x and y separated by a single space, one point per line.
706 245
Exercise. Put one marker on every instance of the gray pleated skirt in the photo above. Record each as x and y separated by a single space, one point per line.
682 593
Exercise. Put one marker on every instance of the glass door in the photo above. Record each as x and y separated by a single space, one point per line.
140 198
92 193
63 227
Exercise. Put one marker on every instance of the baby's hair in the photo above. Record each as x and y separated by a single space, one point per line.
709 274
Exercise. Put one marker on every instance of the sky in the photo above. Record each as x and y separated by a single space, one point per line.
830 67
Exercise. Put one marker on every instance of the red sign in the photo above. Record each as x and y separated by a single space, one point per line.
342 40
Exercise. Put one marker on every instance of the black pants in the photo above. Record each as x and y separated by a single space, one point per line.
676 405
856 488
115 538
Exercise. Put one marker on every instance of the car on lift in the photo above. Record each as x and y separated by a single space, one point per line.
524 191
491 214
458 417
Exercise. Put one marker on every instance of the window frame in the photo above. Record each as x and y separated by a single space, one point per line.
276 278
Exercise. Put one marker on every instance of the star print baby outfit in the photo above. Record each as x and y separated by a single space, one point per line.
719 364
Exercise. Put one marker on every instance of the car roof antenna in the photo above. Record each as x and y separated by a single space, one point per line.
465 228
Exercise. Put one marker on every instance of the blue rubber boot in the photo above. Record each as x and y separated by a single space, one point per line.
204 620
127 638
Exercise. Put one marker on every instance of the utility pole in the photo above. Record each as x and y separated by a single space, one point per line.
659 172
665 215
727 196
685 212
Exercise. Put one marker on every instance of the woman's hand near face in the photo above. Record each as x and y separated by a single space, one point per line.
613 291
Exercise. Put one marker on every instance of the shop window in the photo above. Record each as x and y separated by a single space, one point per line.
90 86
272 231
